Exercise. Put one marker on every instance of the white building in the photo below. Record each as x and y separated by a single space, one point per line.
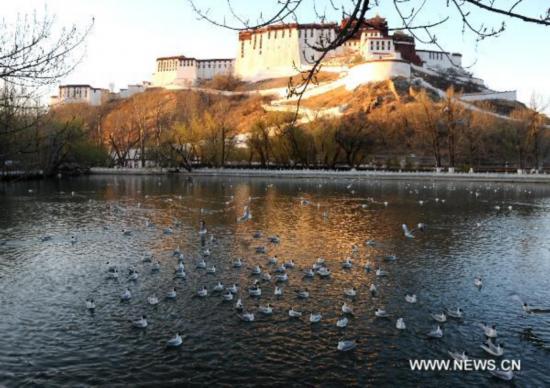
85 94
285 49
182 72
132 89
439 60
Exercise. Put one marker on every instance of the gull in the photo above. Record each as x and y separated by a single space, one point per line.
410 298
400 324
175 341
489 331
478 282
202 229
493 349
140 323
247 215
346 345
90 304
315 318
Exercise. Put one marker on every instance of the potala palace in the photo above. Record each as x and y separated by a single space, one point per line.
282 50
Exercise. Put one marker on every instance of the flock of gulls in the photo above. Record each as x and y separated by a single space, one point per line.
275 275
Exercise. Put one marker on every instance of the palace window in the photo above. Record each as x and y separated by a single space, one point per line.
268 34
371 45
242 49
283 34
311 33
275 36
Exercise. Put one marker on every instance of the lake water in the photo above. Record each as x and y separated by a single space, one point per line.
48 337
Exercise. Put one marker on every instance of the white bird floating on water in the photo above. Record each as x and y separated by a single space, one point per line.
175 341
289 264
247 215
342 322
239 305
202 292
346 345
410 298
126 295
201 264
272 260
256 270
381 313
233 289
228 296
303 294
381 272
373 290
400 324
457 313
180 273
211 270
278 291
281 278
171 294
218 287
351 292
255 291
90 304
346 309
202 228
266 310
408 233
478 282
347 264
439 317
140 323
294 313
323 272
247 317
153 300
308 273
489 331
237 263
315 318
436 332
492 349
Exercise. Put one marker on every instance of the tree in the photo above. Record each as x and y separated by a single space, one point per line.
427 123
354 136
453 119
327 148
33 54
258 141
530 125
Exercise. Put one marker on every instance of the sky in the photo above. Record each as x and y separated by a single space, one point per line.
128 35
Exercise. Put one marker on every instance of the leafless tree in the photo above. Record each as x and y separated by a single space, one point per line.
34 52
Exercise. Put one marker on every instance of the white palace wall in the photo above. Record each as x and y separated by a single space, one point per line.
375 71
278 53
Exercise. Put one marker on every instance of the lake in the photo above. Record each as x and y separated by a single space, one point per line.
58 239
